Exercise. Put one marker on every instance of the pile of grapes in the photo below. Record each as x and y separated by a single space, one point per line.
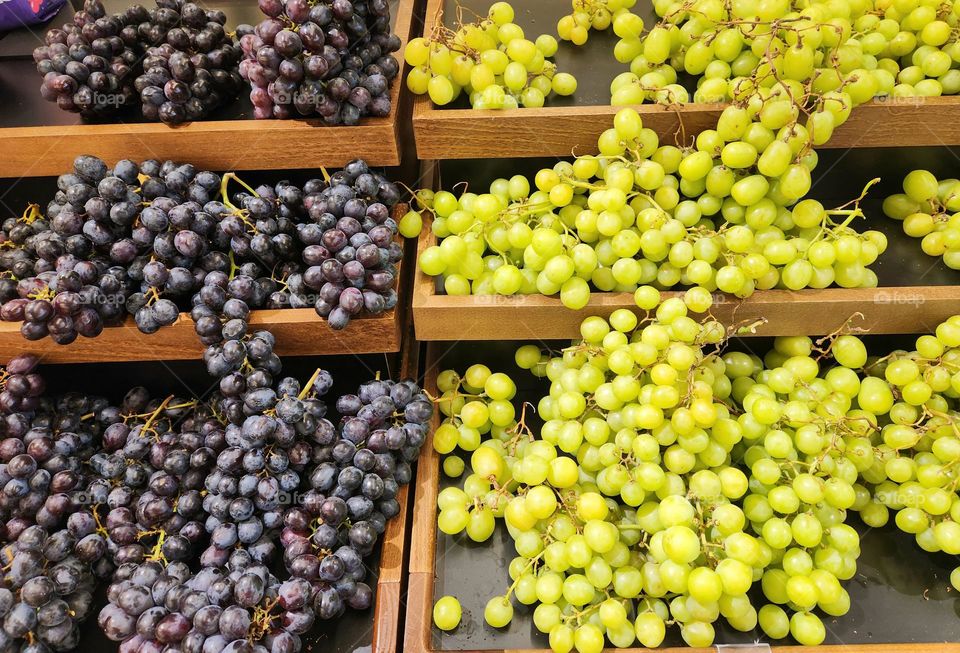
927 207
154 239
330 59
727 214
176 61
490 60
182 507
670 476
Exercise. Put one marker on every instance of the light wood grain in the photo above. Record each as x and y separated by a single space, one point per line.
221 145
909 309
559 131
299 332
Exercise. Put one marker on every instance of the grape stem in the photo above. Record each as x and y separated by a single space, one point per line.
309 385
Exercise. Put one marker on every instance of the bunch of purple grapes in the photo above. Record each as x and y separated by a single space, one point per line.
330 58
48 587
191 65
89 65
176 61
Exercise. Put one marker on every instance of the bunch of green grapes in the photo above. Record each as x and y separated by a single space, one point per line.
599 15
669 478
726 213
928 209
916 470
823 52
490 60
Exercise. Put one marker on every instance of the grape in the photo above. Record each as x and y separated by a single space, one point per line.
176 61
926 208
190 66
446 613
740 465
154 239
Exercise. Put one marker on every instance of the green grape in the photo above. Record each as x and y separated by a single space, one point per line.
447 613
498 612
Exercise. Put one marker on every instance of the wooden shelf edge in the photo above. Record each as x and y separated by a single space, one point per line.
564 131
299 332
771 312
395 549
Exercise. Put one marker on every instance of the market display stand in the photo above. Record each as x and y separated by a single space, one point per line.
37 139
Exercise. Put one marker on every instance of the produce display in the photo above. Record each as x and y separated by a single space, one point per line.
927 209
654 481
228 523
676 482
154 239
177 62
728 214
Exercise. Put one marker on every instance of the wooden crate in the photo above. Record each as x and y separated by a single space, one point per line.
424 569
906 309
223 144
456 133
299 332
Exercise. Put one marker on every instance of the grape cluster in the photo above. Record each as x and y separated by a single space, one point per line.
490 61
241 607
927 209
727 214
669 476
89 65
599 15
155 239
48 588
135 495
176 62
330 59
190 64
43 448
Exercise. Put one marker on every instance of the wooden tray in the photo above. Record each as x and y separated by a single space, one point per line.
568 125
37 139
887 552
299 332
917 292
